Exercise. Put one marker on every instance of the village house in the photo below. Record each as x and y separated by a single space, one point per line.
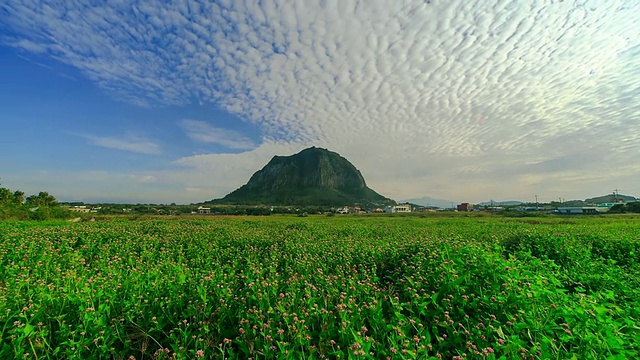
464 207
84 209
401 208
343 210
204 210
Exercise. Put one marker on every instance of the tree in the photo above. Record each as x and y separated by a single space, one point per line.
633 207
14 206
18 197
42 199
5 196
11 204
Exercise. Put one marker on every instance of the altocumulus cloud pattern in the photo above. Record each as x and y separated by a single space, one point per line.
446 94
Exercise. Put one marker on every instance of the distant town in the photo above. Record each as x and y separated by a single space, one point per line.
613 203
14 205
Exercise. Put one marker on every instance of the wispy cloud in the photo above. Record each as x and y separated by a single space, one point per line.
204 132
29 46
412 90
127 142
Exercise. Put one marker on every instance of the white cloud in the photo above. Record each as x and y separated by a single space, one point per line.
454 95
128 142
204 132
29 46
221 173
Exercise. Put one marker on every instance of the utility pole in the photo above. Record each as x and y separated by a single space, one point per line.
536 200
615 195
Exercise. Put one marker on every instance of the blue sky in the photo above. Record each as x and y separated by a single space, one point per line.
183 101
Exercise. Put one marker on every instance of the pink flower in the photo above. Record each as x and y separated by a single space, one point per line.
199 353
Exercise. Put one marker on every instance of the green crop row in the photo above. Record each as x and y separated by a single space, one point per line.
318 287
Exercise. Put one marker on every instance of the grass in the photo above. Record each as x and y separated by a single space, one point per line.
305 288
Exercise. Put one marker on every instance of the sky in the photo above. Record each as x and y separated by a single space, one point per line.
182 101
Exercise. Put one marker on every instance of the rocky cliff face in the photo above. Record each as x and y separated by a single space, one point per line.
313 176
311 167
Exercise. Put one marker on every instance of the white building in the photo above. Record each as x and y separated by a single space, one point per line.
573 210
84 209
343 210
402 208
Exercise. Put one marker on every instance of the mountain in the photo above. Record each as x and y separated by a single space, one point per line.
610 198
314 176
501 203
429 201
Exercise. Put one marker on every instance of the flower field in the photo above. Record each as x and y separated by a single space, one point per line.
322 287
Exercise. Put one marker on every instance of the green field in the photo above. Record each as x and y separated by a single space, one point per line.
322 287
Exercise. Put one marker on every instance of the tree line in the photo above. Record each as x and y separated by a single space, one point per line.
14 205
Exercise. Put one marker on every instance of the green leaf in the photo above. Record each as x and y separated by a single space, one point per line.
27 329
